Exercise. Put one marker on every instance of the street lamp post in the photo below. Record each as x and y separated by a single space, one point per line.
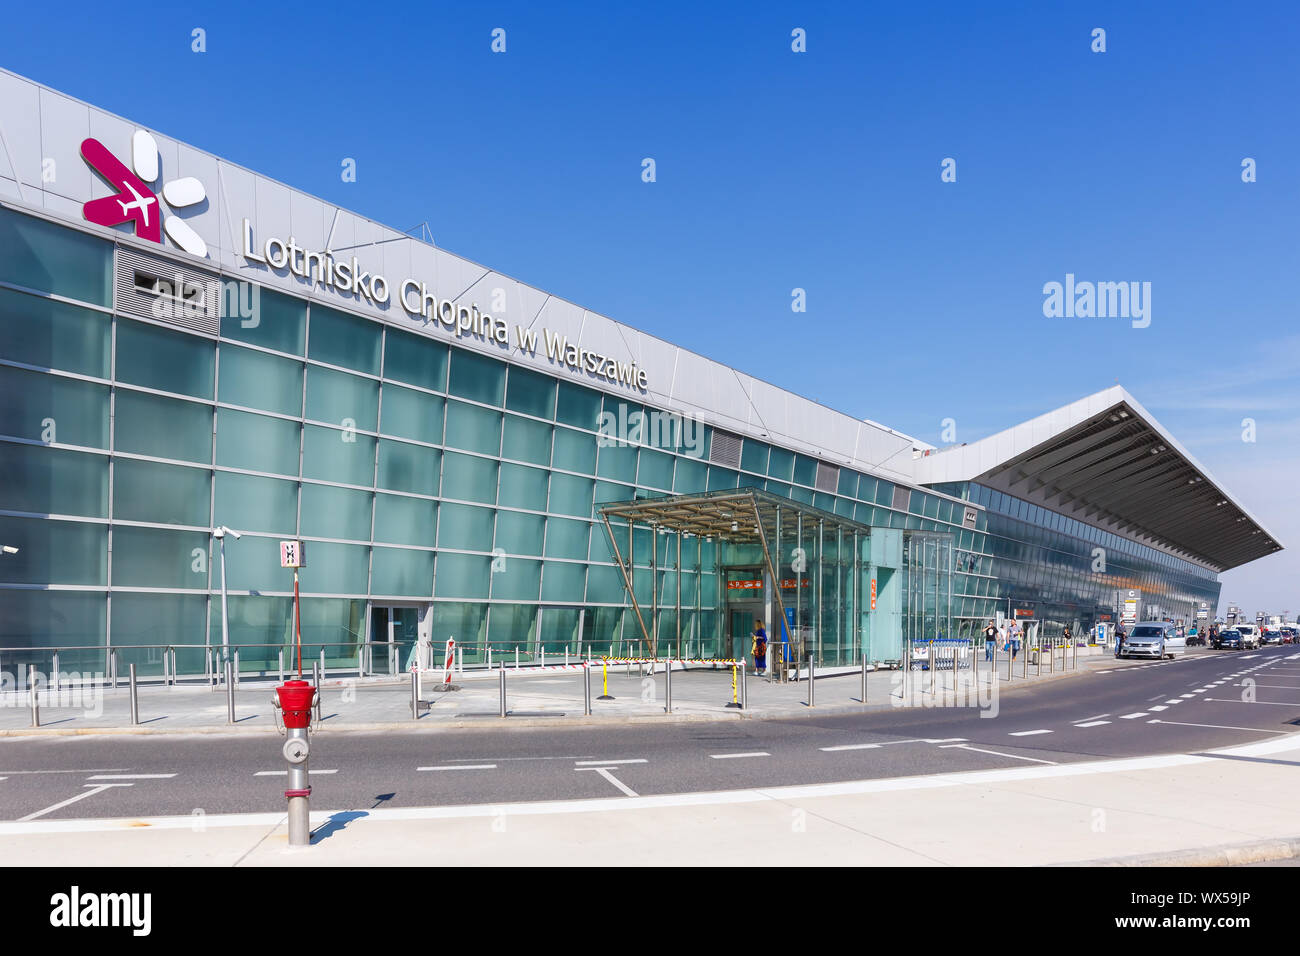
220 534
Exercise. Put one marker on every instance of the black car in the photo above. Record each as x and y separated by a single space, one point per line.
1228 640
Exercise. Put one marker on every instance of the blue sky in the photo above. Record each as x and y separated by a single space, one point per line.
819 171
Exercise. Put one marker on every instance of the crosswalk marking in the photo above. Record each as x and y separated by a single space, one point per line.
1093 723
1028 733
1140 713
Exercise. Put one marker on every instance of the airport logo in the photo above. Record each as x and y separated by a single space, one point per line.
135 200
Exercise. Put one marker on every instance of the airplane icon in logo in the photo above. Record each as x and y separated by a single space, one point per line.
133 197
141 202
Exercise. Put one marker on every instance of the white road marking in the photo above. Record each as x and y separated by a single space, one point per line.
604 772
132 776
1253 730
1140 713
850 747
1250 657
1093 717
463 766
1174 700
607 763
91 770
1093 723
1028 733
946 740
1230 700
1158 708
997 753
756 753
285 773
1186 696
91 790
1284 743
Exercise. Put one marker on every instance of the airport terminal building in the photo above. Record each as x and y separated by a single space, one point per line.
186 345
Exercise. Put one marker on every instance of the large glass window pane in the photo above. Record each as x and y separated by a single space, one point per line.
406 413
517 580
571 495
467 623
519 533
415 360
168 361
617 462
467 478
753 456
257 442
404 467
780 464
567 539
158 558
249 503
401 571
260 380
403 520
605 585
161 619
329 512
341 339
473 428
278 321
54 334
56 618
462 575
562 581
575 451
329 455
52 552
522 487
477 377
722 478
51 409
691 476
464 527
170 494
513 629
578 406
40 255
805 470
335 568
530 392
655 470
527 440
341 399
162 427
53 481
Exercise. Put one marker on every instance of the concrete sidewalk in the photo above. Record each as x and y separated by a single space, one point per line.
1233 805
533 698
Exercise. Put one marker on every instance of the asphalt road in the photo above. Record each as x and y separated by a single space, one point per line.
1130 709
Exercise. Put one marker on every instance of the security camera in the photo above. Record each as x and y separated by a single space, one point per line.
222 531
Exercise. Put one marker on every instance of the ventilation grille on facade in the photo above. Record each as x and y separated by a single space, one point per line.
725 449
152 288
968 518
901 497
828 477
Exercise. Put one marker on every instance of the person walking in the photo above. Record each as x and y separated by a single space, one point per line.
990 640
1015 639
760 648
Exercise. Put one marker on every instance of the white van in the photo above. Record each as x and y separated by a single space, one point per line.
1249 637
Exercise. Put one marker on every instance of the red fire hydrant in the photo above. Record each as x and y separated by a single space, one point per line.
293 700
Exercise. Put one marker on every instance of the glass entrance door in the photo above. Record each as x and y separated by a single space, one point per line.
740 629
394 632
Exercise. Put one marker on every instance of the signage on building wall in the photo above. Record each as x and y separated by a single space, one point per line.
793 582
1024 612
873 594
744 585
291 555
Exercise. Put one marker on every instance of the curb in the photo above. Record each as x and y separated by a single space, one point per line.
1228 854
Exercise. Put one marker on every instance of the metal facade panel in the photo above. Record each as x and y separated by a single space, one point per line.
20 125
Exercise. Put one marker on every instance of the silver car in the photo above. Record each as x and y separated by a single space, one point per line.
1154 639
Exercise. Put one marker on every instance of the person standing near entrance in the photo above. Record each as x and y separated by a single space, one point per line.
1014 639
990 640
760 648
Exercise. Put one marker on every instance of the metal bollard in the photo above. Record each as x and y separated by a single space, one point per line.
415 695
933 668
864 678
322 667
57 682
316 675
282 665
230 693
236 667
135 700
1010 664
502 681
36 704
113 666
1024 663
586 688
516 659
810 680
668 687
744 686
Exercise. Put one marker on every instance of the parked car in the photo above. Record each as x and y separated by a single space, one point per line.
1228 640
1288 635
1249 637
1271 636
1156 639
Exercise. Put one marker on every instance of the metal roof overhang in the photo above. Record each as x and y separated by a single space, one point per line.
1119 468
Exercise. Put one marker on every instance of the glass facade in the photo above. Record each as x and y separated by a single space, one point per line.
1069 572
420 475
